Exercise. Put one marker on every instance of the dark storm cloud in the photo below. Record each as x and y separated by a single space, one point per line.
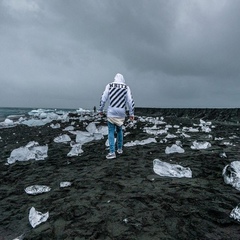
176 37
174 53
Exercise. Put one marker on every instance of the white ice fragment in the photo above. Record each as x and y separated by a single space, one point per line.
235 213
91 128
210 136
65 184
206 129
231 174
200 145
125 220
171 136
223 155
218 138
185 135
163 140
57 125
31 151
174 149
76 150
36 122
228 144
8 122
203 123
21 237
82 111
37 189
178 142
155 131
84 137
103 130
35 217
233 137
142 142
98 136
171 170
62 139
69 128
190 129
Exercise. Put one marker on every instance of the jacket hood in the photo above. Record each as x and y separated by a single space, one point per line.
119 78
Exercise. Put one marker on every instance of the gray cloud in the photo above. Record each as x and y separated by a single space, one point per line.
172 53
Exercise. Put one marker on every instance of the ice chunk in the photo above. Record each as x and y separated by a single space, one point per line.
81 110
84 137
235 213
228 144
37 189
36 122
21 237
205 126
174 149
171 170
103 130
8 122
190 129
69 128
185 135
31 151
218 138
98 136
57 125
35 217
231 174
91 128
223 155
65 184
206 129
62 139
76 150
200 145
142 142
171 136
155 130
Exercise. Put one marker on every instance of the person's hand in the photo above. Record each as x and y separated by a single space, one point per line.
131 118
101 114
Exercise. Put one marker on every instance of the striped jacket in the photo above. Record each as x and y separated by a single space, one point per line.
119 96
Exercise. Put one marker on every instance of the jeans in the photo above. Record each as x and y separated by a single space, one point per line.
111 138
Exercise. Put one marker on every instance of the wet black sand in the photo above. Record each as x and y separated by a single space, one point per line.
118 199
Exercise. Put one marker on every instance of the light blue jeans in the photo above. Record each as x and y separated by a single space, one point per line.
111 131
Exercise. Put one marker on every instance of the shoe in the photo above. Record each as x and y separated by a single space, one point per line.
119 151
111 156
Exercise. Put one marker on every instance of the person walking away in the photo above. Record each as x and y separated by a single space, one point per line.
119 96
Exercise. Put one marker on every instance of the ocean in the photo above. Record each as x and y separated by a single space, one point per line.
15 113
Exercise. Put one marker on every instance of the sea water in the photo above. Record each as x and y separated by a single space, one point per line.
16 113
13 112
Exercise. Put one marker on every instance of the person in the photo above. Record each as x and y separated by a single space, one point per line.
119 96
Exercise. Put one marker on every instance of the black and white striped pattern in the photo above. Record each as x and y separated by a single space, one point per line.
132 104
117 95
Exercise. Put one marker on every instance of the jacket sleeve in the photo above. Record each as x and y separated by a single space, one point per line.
130 102
104 98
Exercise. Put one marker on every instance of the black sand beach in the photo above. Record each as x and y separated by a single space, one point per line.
123 199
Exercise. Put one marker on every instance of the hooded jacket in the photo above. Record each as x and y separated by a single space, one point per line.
119 95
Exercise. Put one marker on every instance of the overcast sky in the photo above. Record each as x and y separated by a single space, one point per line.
172 53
